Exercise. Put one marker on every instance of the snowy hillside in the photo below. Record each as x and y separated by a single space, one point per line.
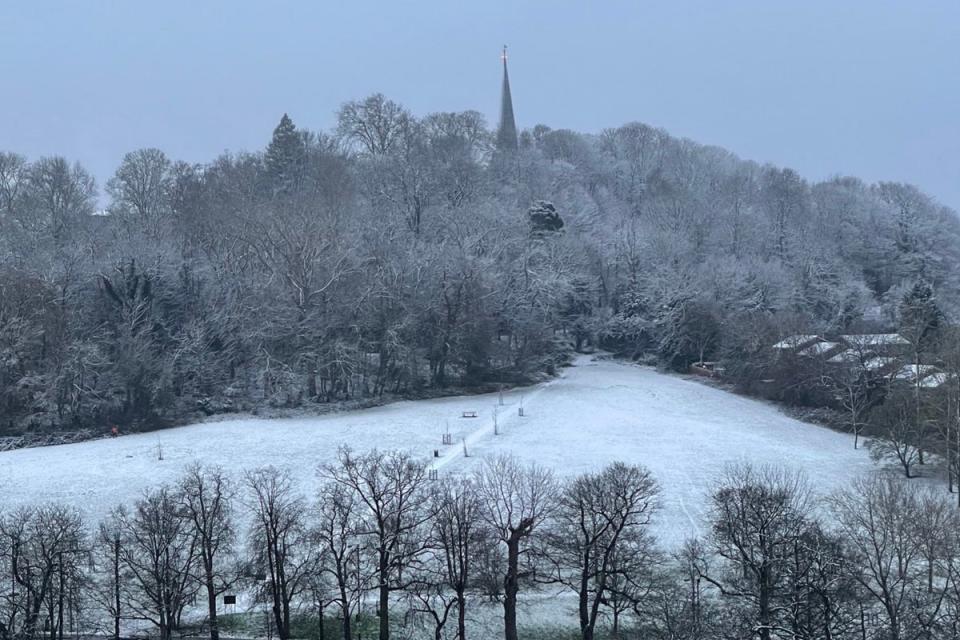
598 411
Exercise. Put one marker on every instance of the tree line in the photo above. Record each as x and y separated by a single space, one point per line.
406 255
878 559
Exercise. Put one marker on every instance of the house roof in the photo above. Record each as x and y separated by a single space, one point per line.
874 339
912 372
820 348
934 380
795 342
879 362
850 355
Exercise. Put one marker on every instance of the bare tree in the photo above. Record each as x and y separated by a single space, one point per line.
278 541
935 520
678 604
895 433
158 552
207 504
759 517
947 404
58 199
108 561
375 123
391 487
13 174
877 517
850 384
338 536
429 599
601 519
39 545
459 531
516 501
141 190
457 539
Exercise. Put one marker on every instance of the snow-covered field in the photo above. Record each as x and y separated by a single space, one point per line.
596 412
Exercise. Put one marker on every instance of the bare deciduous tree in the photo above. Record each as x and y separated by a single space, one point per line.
457 539
375 123
601 519
158 552
516 500
392 489
895 433
279 542
338 535
207 504
38 549
878 518
758 518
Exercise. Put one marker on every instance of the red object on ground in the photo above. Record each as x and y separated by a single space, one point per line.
114 432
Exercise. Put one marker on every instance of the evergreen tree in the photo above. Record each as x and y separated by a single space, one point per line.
543 218
285 156
920 315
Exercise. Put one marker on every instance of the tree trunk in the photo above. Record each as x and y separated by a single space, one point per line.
511 586
212 605
764 604
461 615
345 611
322 635
116 589
586 628
384 607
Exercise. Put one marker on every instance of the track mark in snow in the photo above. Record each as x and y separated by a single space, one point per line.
694 522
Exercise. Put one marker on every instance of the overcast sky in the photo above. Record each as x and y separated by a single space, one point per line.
867 87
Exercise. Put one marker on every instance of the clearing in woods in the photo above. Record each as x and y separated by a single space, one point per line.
597 411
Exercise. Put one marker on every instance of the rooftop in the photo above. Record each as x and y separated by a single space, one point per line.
873 339
794 342
820 348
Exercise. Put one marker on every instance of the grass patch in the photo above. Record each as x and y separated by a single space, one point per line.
302 626
306 627
568 632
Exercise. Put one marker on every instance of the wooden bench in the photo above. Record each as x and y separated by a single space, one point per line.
469 414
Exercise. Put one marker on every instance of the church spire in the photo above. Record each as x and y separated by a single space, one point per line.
507 130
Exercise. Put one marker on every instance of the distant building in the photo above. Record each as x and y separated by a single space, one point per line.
847 348
880 363
927 374
507 128
848 356
886 344
795 343
823 349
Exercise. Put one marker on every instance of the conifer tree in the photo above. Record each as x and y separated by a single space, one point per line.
920 315
285 156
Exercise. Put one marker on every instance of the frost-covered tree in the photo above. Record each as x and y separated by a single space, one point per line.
140 190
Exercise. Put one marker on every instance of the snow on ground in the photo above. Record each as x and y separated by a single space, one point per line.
596 412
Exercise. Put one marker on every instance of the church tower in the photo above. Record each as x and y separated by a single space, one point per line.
507 130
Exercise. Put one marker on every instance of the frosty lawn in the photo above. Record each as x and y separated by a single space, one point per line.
596 412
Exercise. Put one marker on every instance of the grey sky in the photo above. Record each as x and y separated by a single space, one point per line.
867 87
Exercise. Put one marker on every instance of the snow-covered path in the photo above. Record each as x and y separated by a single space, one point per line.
596 412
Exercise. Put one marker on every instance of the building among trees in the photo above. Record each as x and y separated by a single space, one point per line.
507 129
